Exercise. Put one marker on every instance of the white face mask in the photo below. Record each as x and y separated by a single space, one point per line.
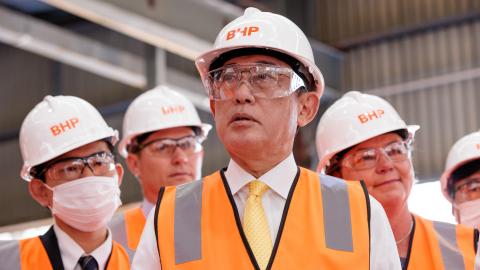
468 213
86 204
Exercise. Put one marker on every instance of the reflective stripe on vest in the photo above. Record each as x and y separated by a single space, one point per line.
188 234
188 208
119 234
10 255
127 229
441 246
336 214
447 240
192 236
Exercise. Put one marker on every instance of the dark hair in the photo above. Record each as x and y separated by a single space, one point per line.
39 170
335 162
462 172
294 64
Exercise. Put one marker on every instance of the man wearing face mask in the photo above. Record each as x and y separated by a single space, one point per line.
461 180
67 149
162 144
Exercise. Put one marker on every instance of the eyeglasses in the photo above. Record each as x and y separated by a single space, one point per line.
470 185
368 158
266 81
100 164
166 147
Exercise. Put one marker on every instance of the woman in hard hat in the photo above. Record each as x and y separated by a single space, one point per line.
162 144
68 161
461 180
362 137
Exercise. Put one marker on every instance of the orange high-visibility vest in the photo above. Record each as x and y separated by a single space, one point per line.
127 229
441 246
325 225
43 253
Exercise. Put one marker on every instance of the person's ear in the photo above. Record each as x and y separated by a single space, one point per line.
133 164
307 107
120 172
40 192
212 107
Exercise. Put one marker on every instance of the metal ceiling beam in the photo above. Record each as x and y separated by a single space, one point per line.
425 83
52 42
355 42
134 25
161 26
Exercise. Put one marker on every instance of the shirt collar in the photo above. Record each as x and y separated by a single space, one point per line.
147 206
71 251
279 178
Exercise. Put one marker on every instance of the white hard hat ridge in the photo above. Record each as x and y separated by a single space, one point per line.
464 150
352 119
257 29
157 109
58 125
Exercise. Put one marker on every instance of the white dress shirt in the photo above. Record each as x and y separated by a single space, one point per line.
477 260
70 251
383 254
147 206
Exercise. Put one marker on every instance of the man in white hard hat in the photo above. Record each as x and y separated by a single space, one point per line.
262 211
67 150
162 144
362 137
460 181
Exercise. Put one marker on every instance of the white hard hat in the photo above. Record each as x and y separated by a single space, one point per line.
57 125
352 119
257 29
464 150
156 109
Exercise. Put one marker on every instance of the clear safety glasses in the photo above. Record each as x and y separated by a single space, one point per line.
166 147
368 158
67 169
265 81
467 186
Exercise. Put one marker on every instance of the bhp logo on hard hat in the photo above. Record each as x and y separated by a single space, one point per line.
478 146
65 126
173 109
245 31
369 116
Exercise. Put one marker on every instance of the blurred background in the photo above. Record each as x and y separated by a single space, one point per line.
421 55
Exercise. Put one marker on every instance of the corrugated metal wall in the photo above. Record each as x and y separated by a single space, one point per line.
343 21
430 74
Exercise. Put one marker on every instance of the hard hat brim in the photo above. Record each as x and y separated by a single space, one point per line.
204 61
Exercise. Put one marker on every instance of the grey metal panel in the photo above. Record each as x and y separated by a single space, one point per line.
354 19
13 102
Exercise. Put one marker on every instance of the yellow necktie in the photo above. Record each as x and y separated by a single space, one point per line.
255 224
